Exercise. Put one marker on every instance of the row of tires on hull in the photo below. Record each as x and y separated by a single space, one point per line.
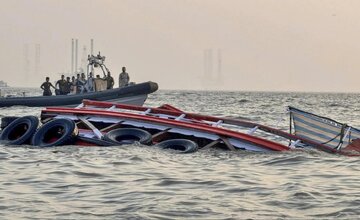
58 132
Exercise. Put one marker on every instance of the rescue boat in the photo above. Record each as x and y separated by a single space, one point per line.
134 94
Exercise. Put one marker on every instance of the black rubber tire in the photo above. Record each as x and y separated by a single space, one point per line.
182 145
19 131
122 136
63 130
5 121
98 142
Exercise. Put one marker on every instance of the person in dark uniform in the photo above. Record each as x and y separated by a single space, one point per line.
109 81
73 85
68 85
79 84
124 78
46 87
62 85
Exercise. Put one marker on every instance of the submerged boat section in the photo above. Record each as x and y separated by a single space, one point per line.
100 123
167 122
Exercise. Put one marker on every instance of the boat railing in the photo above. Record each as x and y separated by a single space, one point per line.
227 123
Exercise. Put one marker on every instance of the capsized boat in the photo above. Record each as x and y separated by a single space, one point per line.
96 120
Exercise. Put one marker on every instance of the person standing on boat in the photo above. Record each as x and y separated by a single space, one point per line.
73 85
83 81
109 81
62 85
80 82
46 87
123 78
89 86
68 85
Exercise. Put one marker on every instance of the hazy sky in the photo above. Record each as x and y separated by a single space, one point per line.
271 45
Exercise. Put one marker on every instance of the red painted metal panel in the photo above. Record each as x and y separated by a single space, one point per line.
202 127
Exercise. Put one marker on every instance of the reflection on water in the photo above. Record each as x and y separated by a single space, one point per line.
74 182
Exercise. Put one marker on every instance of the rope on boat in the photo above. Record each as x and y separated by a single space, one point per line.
342 134
343 138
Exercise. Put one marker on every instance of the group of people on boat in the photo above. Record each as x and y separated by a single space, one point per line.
80 84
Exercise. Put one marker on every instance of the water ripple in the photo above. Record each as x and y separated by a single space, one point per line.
138 182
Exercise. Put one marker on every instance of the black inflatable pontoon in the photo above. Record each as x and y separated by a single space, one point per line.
133 94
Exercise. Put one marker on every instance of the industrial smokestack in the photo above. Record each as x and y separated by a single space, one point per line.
205 64
92 46
72 56
37 59
76 54
210 63
219 65
26 61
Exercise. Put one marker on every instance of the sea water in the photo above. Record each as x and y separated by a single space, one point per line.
140 182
